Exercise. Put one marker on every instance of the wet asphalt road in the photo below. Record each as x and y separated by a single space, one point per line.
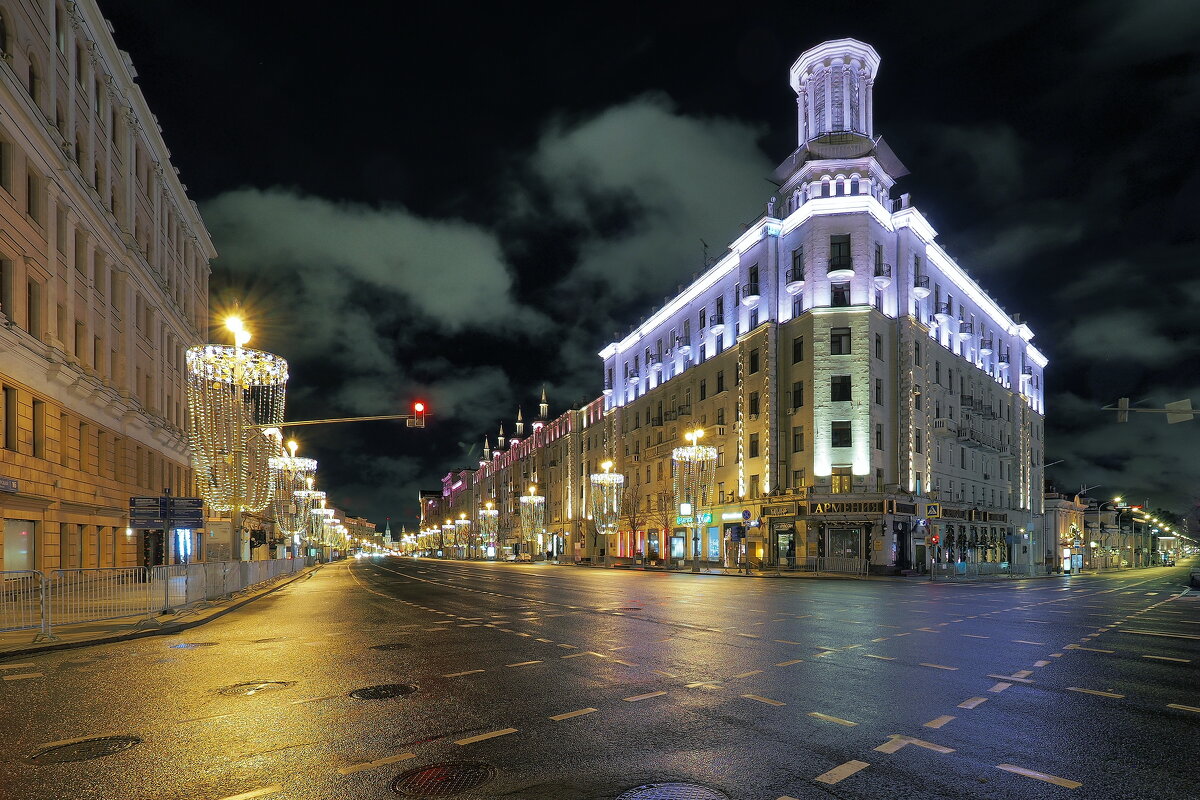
578 683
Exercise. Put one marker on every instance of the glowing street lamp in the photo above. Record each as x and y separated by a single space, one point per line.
489 522
462 529
533 516
695 470
608 490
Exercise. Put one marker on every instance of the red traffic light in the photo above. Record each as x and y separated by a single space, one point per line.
418 417
935 539
419 407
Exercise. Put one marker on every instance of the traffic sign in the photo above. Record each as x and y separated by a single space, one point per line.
182 503
146 502
746 514
147 524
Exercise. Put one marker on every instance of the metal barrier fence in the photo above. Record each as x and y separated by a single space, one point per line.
32 599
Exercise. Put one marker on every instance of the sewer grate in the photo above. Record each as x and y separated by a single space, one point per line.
443 780
251 688
384 691
84 750
392 646
672 791
190 645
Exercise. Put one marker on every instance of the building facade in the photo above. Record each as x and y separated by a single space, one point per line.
104 265
863 393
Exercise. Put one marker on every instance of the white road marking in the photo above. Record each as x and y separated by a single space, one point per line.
646 696
1041 776
263 792
377 763
481 737
840 772
570 714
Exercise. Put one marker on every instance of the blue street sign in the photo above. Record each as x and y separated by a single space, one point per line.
187 520
146 502
183 503
147 524
8 484
746 515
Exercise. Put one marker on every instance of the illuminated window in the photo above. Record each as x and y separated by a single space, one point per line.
841 481
839 341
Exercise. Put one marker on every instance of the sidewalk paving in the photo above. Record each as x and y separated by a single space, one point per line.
20 642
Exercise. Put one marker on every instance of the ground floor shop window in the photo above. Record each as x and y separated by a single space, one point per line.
20 537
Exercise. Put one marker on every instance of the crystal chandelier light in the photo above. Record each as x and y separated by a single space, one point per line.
230 390
291 481
607 492
695 468
533 517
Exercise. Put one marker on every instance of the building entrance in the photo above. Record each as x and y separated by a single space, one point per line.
845 543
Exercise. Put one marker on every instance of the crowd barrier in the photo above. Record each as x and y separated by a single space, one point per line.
41 601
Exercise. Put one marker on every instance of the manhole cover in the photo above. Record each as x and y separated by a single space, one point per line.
383 691
629 608
255 687
85 750
442 780
190 645
392 646
672 791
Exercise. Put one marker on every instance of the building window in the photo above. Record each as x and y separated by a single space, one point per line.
39 429
839 251
841 481
839 341
754 445
879 391
720 455
798 478
918 443
754 361
840 433
10 418
703 318
720 381
798 263
839 388
33 82
839 295
3 34
917 354
797 349
797 438
797 394
878 436
703 389
753 320
753 404
879 346
6 169
721 415
703 354
797 305
754 490
34 197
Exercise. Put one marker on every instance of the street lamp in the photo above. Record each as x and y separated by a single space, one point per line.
533 515
695 468
608 490
232 392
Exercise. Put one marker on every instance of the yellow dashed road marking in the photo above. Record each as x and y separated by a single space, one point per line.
828 718
841 772
1041 776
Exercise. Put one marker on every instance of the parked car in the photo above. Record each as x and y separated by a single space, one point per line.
1194 578
1170 562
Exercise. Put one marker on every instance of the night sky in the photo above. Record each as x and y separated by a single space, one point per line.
461 203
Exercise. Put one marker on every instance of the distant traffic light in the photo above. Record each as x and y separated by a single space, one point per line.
418 417
934 539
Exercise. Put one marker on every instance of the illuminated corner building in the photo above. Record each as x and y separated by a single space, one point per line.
103 285
854 378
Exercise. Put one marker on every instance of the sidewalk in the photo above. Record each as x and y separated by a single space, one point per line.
20 643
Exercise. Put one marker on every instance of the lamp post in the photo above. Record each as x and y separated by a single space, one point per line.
695 468
608 490
489 521
533 516
232 394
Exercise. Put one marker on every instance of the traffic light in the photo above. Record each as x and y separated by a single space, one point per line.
934 539
418 417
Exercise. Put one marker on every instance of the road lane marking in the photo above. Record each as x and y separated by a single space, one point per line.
880 639
1000 687
976 636
841 772
828 718
24 676
906 633
1095 691
577 655
1041 776
547 641
766 700
1168 658
896 741
483 736
523 663
939 722
646 696
1041 663
668 674
789 663
974 702
1012 678
1089 649
881 658
938 666
17 666
747 674
377 763
784 641
705 684
460 674
626 663
570 714
1161 633
263 792
1183 708
1023 641
1025 673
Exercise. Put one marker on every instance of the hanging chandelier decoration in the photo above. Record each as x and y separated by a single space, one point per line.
291 481
533 516
231 392
489 523
695 468
608 490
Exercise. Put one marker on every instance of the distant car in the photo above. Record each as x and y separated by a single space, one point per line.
1170 562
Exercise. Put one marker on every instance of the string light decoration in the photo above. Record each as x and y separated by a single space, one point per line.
607 493
291 482
695 467
230 389
533 517
462 534
489 523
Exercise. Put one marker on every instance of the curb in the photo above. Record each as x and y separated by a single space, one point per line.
165 630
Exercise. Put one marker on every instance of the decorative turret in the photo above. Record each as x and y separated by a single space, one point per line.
520 423
500 438
487 452
834 85
544 407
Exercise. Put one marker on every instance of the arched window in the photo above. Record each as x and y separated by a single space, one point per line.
33 80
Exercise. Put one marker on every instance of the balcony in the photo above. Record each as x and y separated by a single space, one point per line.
943 313
750 295
883 276
684 411
965 330
793 281
716 324
684 345
656 422
944 427
719 430
633 378
608 390
968 401
978 440
921 287
986 347
654 362
1002 362
841 268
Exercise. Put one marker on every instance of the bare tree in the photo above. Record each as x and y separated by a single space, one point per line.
631 504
